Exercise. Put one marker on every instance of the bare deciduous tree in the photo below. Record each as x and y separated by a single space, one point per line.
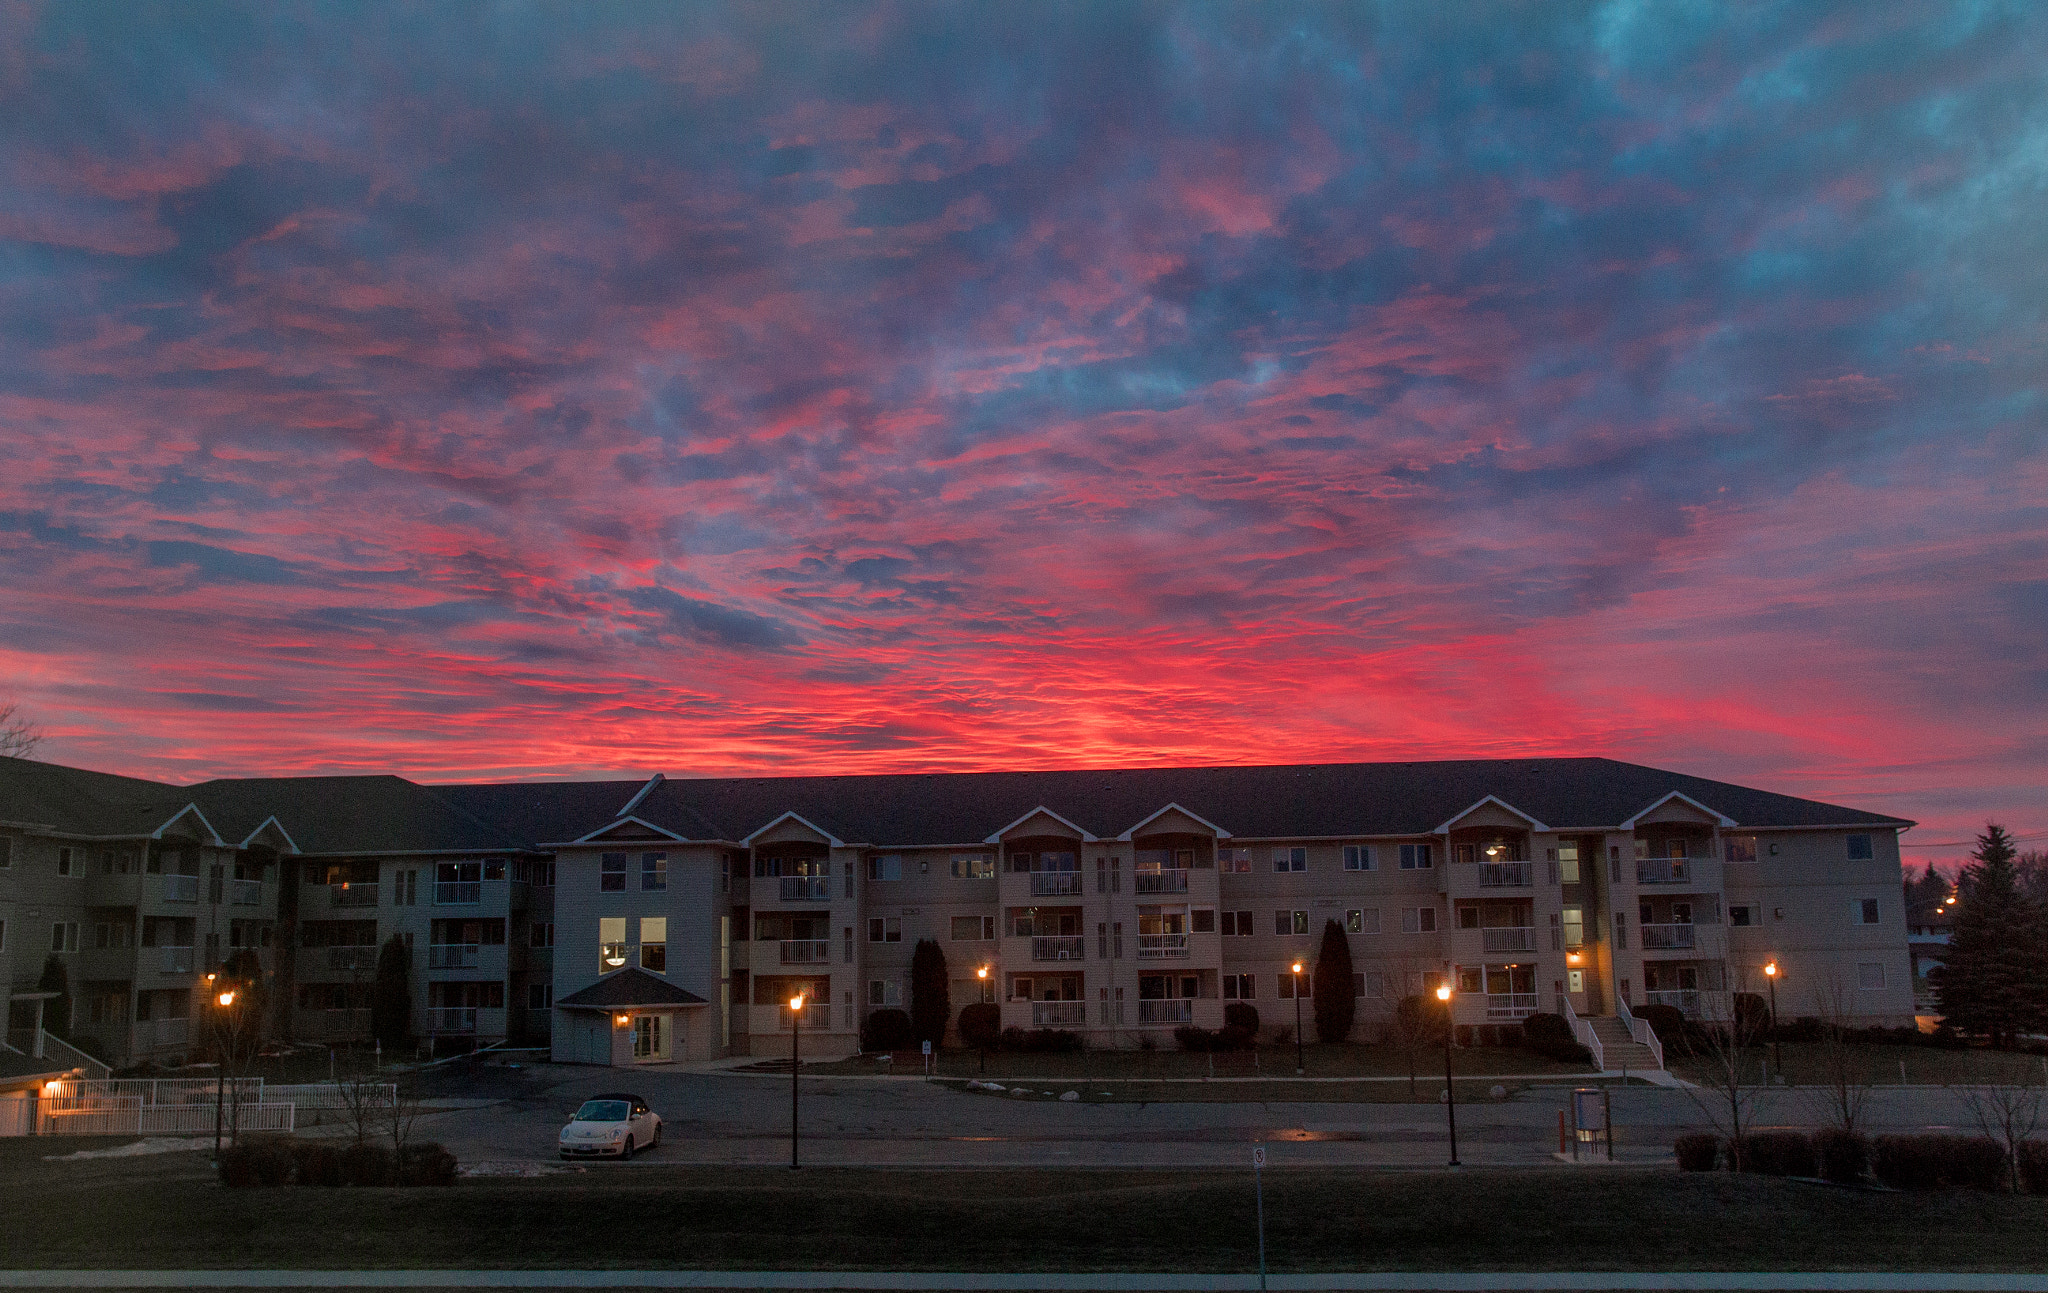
1846 1070
19 738
1730 1076
2010 1113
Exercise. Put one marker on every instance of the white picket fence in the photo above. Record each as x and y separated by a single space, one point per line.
133 1118
77 1095
169 1106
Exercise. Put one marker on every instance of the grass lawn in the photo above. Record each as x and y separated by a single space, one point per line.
167 1213
1344 1060
1924 1065
1476 1090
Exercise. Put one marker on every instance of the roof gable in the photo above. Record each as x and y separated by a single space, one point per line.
1173 820
1491 811
629 987
1035 822
1678 807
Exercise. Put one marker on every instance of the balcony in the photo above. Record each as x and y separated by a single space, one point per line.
1687 1000
245 893
1510 1005
350 894
361 957
452 956
1059 1014
174 960
1506 875
181 888
805 951
1060 948
458 893
1166 1012
806 888
342 1023
154 1034
1659 938
451 1019
1513 938
1155 947
1054 884
1170 880
1664 871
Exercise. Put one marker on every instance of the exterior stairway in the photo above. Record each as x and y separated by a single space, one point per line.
1617 1049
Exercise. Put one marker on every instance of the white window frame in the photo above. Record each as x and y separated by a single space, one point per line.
1358 857
1850 845
885 866
654 866
890 927
1866 911
1290 858
1416 857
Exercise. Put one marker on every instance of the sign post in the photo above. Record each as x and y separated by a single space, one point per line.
1259 1187
927 1057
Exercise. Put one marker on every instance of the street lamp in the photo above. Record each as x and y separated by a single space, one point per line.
220 1068
1299 1068
1443 994
1777 1056
982 1038
796 1030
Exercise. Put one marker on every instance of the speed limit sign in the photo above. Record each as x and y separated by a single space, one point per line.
1258 1156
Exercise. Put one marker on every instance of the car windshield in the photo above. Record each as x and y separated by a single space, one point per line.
602 1111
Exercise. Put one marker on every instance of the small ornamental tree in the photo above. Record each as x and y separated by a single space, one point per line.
1992 979
57 1010
391 995
931 1004
1330 990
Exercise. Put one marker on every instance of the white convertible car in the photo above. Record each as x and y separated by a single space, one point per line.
611 1125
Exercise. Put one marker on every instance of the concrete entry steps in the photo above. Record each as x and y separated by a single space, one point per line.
1618 1049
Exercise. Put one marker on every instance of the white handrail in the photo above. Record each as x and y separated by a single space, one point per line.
1583 1030
1640 1030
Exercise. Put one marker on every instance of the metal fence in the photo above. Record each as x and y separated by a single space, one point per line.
132 1117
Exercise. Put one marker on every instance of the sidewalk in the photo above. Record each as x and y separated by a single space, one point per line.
1423 1282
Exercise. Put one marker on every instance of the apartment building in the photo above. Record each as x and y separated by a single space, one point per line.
641 922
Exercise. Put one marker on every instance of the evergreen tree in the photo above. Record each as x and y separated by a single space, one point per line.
391 995
1925 893
1330 990
1992 978
931 1004
57 1010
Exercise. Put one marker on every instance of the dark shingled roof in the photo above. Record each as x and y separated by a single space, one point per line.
631 986
17 1067
81 802
376 814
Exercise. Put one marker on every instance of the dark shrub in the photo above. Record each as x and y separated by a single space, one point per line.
1697 1151
1190 1038
981 1025
1241 1014
1844 1155
886 1030
1779 1153
1463 1033
1752 1014
1234 1037
1668 1022
1545 1027
1564 1052
256 1161
368 1164
317 1162
1012 1039
1057 1041
426 1163
2034 1166
1933 1162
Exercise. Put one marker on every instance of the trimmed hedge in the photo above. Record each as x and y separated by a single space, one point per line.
1241 1014
1056 1041
886 1030
1778 1153
1844 1155
981 1025
1938 1162
426 1163
1698 1151
318 1162
2034 1166
256 1161
282 1160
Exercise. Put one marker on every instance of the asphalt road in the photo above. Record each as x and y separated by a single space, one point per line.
734 1119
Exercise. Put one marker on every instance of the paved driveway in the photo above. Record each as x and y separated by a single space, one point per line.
721 1118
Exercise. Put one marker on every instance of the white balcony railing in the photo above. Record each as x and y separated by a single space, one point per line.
458 893
151 1033
1510 1005
360 957
181 888
344 1023
1166 1012
1686 999
175 960
1170 880
806 888
1667 937
1508 939
351 894
1058 948
1050 884
452 956
805 951
1058 1014
1663 871
245 893
1506 875
1154 947
452 1019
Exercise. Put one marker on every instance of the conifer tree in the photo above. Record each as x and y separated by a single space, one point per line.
931 1003
391 995
1330 992
1992 979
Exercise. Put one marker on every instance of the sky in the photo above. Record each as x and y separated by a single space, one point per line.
556 390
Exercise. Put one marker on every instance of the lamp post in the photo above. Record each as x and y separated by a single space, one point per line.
982 975
226 1001
796 1031
1299 1068
1443 994
1777 1056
